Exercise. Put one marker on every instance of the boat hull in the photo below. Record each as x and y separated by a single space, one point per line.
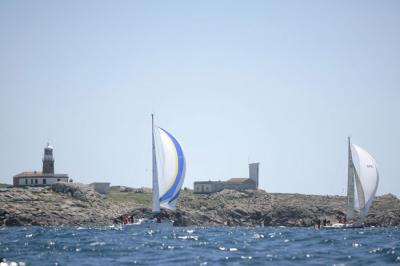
150 223
342 226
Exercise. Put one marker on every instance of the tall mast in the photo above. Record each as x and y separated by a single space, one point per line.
156 196
350 185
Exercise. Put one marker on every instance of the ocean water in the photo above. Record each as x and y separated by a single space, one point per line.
199 246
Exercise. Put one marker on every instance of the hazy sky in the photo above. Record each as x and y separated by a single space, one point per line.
281 83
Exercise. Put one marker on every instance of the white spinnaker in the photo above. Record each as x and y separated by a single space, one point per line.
168 162
369 178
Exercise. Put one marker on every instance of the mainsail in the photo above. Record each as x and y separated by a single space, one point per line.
169 168
363 181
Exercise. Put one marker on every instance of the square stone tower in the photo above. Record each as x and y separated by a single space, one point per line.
253 172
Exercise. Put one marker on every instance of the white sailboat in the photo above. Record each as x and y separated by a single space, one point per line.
169 167
363 179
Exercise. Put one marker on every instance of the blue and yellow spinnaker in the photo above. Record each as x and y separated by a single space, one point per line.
171 170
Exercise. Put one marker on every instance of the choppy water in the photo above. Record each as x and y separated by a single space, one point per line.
200 246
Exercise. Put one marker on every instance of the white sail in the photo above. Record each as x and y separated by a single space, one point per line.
367 179
171 167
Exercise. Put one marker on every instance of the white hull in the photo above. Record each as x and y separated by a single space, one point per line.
150 223
343 226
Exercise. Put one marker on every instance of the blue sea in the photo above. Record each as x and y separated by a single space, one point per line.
199 246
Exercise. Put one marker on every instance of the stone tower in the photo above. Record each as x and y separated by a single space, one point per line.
253 172
48 160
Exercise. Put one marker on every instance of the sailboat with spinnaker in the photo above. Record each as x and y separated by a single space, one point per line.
169 167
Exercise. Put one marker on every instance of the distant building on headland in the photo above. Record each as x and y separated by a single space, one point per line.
253 172
46 177
206 187
101 187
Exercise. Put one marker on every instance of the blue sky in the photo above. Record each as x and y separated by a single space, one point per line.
279 82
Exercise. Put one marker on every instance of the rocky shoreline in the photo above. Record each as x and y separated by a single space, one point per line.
67 204
259 208
63 204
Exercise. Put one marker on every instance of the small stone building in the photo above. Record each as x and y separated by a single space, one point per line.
206 187
46 177
37 178
240 184
101 187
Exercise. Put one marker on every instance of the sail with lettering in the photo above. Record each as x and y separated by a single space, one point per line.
363 181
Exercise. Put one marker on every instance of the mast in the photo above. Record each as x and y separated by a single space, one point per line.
350 185
156 196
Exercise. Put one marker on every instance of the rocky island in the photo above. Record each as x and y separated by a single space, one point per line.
71 204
